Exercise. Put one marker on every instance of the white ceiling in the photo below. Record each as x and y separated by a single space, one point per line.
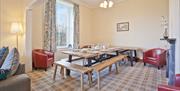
94 3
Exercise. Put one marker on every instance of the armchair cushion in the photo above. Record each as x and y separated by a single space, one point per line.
16 83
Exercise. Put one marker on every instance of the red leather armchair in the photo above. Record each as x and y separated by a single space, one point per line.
42 58
156 56
176 87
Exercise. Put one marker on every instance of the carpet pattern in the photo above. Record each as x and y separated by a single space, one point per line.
136 78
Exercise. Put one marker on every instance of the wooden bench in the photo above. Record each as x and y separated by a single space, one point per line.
107 63
74 67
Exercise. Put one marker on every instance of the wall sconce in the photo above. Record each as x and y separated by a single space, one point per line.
16 28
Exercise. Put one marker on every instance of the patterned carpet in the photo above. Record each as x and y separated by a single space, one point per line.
136 78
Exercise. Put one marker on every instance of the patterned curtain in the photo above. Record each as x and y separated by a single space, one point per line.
76 26
50 25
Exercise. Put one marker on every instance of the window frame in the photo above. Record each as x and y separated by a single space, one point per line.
70 28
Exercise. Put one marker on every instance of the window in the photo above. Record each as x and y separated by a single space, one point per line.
64 23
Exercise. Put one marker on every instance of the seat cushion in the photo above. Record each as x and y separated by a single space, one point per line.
4 74
152 58
3 53
12 61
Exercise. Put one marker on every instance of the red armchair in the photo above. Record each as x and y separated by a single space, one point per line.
156 56
176 87
42 59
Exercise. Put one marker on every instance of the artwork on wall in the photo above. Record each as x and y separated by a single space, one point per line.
123 26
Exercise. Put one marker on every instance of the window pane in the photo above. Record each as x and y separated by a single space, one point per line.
64 20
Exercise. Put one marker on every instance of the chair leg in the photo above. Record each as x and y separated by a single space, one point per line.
158 67
35 68
45 69
144 64
55 70
82 83
98 74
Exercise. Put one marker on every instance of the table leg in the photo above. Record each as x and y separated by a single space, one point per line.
117 53
135 55
67 70
131 57
89 62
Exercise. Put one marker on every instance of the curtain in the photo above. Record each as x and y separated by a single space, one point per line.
50 26
76 26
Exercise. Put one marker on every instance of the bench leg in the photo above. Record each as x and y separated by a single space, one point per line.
62 72
90 78
110 67
65 72
116 64
98 75
55 72
82 83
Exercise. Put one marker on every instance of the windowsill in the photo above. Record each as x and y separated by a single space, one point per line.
62 48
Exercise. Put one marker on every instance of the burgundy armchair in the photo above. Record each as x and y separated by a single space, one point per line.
42 58
176 87
156 56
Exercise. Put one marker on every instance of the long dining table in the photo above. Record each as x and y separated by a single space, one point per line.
97 55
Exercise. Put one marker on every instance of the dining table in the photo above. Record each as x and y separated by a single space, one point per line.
98 55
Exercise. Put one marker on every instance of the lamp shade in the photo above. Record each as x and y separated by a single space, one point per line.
16 27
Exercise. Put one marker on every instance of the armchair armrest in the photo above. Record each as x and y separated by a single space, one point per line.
50 54
162 58
16 83
177 81
168 88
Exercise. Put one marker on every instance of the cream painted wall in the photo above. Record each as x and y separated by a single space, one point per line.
144 17
11 11
85 25
37 26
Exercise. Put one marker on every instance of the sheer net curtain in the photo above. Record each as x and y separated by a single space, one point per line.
50 25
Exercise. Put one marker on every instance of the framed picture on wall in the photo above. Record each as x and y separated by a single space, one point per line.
123 26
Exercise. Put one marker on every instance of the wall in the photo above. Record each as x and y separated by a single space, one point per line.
144 17
11 11
85 25
37 26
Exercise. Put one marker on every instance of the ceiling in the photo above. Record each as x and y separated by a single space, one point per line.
95 3
88 3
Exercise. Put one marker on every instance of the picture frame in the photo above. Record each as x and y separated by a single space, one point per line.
123 26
